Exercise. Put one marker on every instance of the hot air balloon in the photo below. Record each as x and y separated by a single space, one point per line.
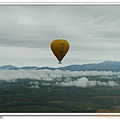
59 48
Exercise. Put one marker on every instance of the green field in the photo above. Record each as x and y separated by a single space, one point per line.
19 97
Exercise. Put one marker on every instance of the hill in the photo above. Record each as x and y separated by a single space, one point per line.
103 66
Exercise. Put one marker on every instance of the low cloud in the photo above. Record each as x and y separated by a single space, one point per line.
60 78
33 83
34 86
84 82
49 75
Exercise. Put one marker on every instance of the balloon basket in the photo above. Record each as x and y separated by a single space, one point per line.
59 62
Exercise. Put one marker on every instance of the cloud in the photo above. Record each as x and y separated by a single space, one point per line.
34 86
60 78
49 75
47 84
112 83
36 26
93 33
33 83
84 82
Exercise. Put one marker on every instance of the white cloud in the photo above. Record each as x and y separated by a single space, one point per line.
49 75
47 84
62 78
101 83
112 83
34 86
82 82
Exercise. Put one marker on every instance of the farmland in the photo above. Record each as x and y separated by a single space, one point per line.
24 97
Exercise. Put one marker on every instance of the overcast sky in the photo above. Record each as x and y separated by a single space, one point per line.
26 33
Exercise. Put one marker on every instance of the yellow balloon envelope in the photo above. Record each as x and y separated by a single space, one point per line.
59 48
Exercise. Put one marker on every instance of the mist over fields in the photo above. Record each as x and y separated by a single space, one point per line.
62 78
59 91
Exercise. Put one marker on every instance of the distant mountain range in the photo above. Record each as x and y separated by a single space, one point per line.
104 66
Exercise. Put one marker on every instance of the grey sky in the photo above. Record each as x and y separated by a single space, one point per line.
27 31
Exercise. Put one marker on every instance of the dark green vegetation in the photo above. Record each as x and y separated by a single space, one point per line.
19 97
